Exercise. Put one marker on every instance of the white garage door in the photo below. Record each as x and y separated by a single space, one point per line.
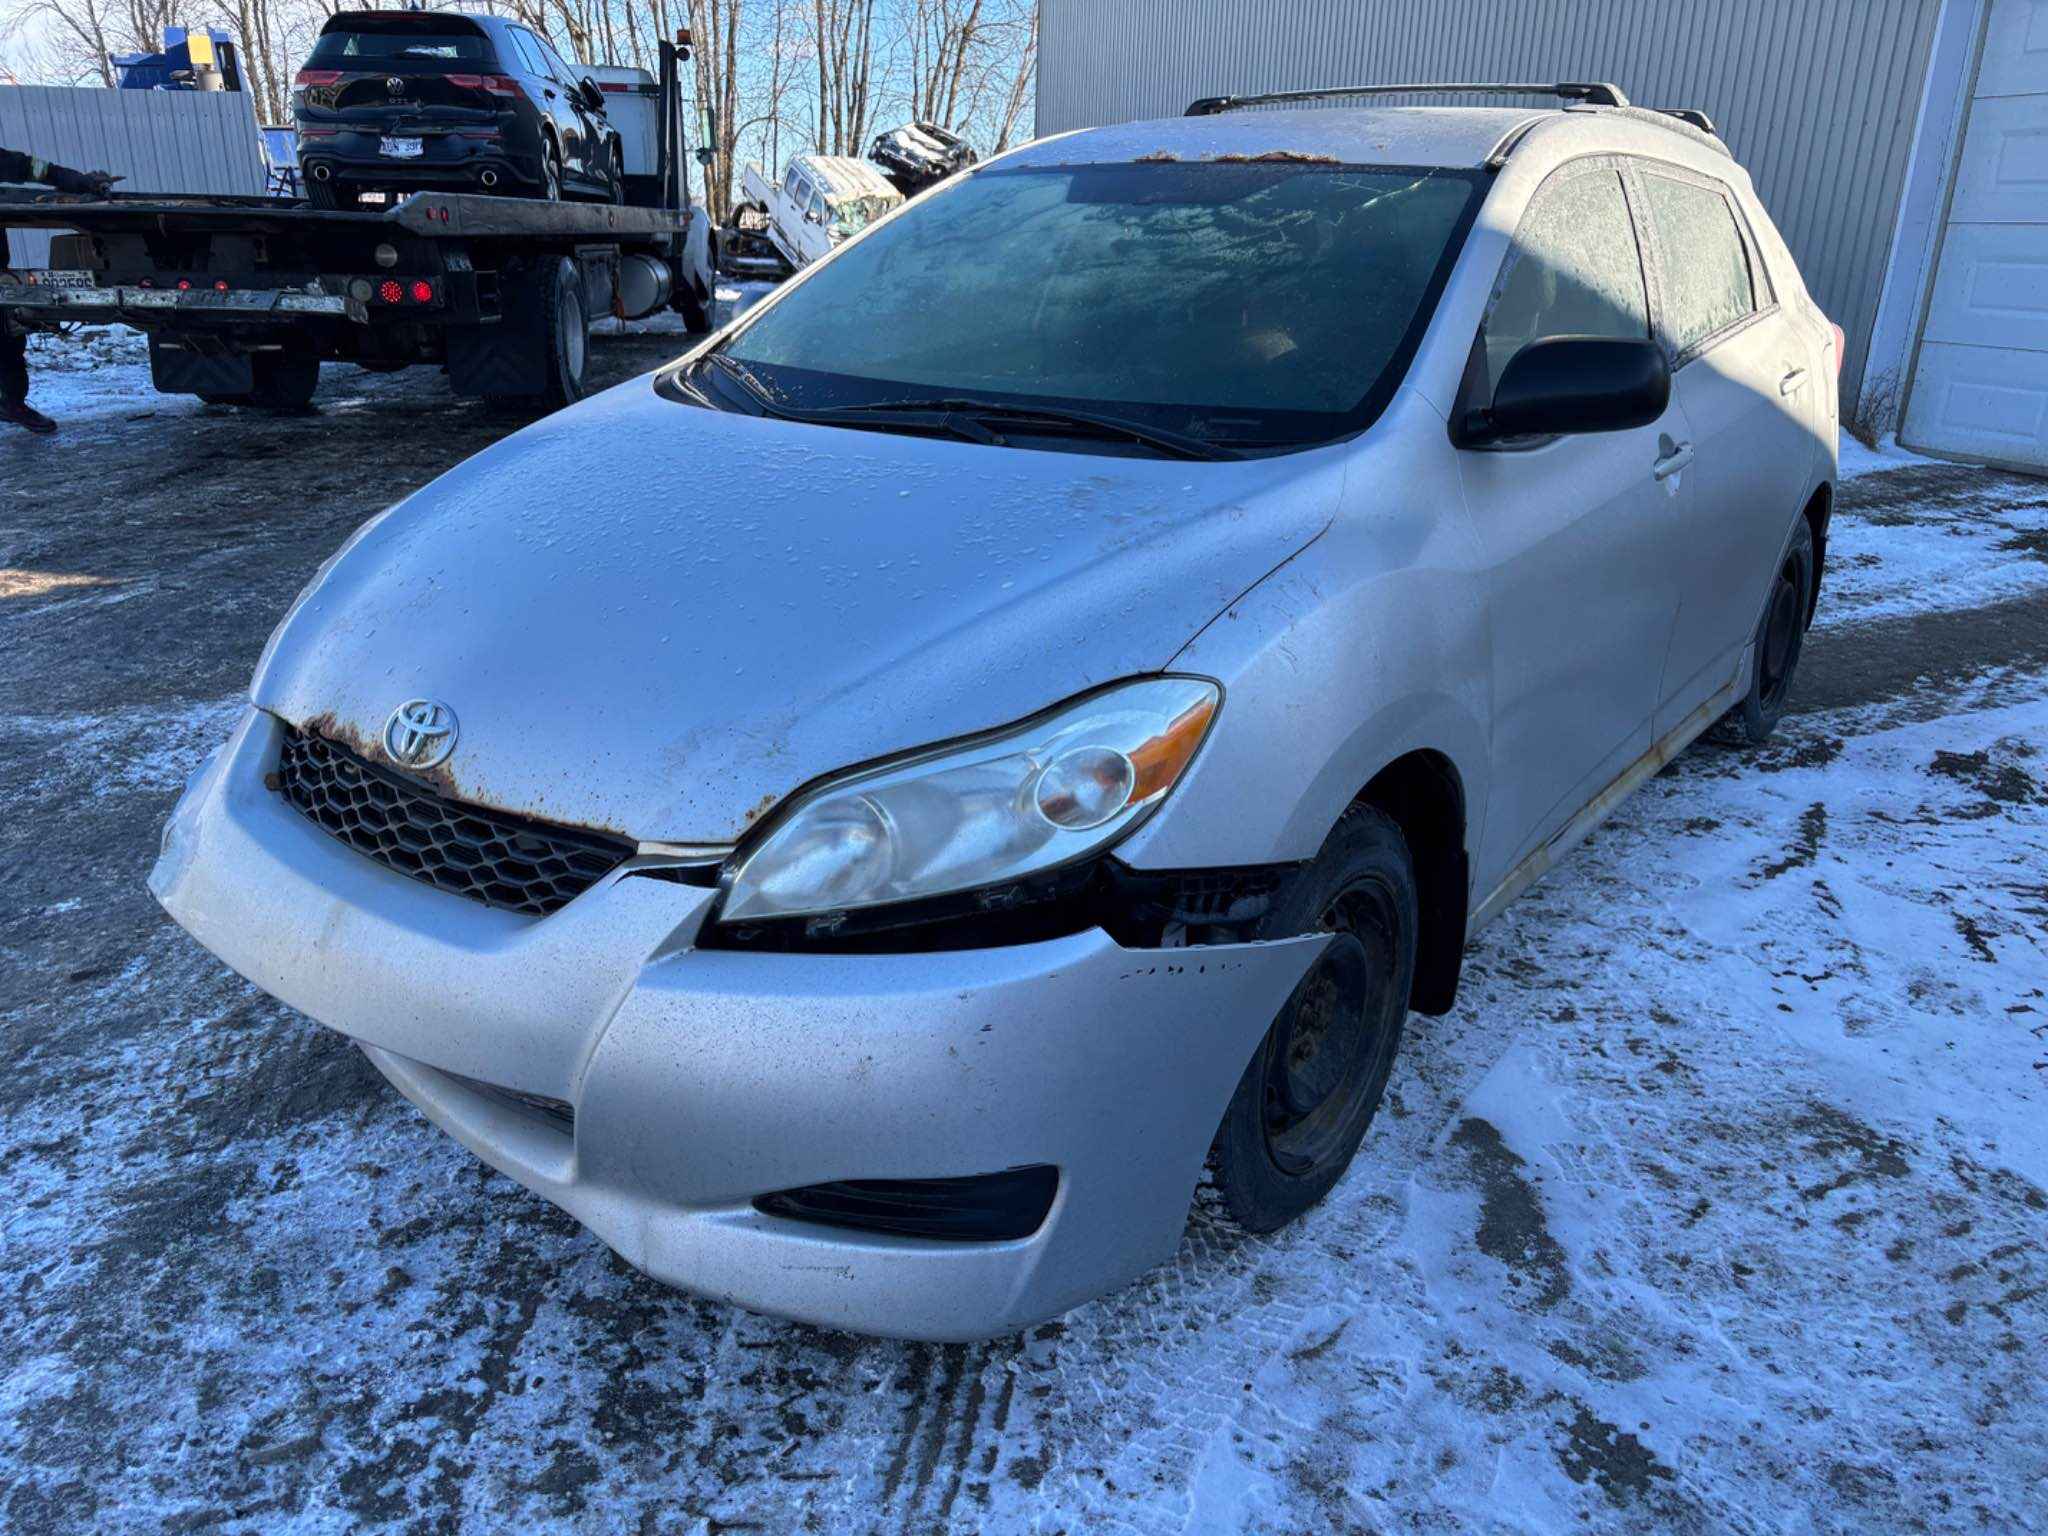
1981 387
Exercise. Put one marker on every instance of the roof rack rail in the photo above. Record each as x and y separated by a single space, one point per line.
1593 92
1692 115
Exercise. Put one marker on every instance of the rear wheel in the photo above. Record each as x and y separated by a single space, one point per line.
1780 638
618 172
550 172
1314 1084
567 325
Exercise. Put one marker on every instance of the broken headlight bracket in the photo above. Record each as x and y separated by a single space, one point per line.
1140 909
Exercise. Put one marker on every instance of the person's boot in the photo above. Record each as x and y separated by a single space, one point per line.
22 414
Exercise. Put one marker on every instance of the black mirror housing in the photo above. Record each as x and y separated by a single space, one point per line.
1558 385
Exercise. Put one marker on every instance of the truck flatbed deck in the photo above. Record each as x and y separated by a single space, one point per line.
243 298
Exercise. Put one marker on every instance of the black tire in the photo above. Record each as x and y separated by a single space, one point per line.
566 332
1780 637
693 306
550 172
1313 1086
225 400
284 381
618 174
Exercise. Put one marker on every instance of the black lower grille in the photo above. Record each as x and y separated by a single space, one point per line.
501 860
984 1208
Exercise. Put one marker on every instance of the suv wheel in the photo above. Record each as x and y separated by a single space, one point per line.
1314 1084
1780 638
550 172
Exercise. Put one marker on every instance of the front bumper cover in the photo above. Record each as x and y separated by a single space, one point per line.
701 1079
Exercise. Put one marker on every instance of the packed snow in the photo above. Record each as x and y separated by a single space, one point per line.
1717 1204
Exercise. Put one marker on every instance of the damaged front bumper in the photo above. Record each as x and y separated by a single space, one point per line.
656 1090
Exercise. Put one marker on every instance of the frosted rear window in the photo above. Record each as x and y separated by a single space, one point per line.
1707 281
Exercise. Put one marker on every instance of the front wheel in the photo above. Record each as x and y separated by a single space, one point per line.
1314 1084
693 306
1780 638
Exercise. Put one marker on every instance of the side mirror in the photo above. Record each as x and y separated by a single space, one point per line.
1567 384
593 94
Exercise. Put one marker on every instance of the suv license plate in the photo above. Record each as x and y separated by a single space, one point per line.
401 149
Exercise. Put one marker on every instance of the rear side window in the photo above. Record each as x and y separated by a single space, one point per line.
529 51
1708 284
1574 270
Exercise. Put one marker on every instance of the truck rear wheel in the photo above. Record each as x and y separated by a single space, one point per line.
566 326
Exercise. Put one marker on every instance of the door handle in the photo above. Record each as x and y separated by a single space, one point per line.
1676 457
1793 380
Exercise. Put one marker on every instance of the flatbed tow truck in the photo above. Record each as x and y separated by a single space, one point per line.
243 298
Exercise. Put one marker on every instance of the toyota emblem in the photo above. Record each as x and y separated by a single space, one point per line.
420 734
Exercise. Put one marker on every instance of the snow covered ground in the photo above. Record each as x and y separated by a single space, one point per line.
98 371
1717 1204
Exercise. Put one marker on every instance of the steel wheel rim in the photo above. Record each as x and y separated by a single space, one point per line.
1780 648
1329 1052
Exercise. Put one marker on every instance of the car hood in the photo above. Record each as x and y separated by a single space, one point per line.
658 620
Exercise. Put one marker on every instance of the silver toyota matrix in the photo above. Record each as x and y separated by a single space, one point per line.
865 816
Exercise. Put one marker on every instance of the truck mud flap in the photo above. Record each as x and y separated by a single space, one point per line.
508 357
177 370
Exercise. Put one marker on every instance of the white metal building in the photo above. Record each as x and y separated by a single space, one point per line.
1901 145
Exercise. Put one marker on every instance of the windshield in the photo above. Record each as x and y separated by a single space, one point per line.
851 215
1253 302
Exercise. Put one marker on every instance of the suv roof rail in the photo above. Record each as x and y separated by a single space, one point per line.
1692 115
1593 92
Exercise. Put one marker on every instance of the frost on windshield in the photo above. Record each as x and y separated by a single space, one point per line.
1704 259
1253 286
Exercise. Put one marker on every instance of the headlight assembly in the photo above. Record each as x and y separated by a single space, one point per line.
1020 801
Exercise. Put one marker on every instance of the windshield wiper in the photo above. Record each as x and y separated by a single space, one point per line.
966 416
1092 423
946 421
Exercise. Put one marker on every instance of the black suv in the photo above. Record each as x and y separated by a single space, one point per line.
398 101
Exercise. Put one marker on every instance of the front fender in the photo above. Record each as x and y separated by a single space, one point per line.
1329 676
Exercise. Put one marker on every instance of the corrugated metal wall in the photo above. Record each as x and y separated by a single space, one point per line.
161 141
1818 98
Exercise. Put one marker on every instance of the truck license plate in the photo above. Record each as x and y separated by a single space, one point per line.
401 149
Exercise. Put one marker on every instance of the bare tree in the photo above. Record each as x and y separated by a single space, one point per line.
714 33
842 38
1023 82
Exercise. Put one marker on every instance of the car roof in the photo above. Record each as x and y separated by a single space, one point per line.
1448 136
840 176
